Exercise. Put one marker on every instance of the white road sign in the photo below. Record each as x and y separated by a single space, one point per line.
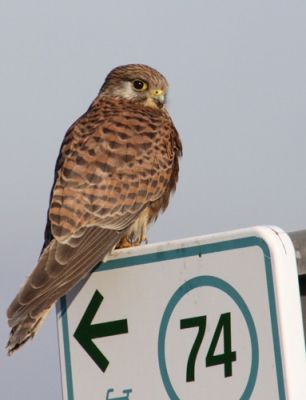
213 317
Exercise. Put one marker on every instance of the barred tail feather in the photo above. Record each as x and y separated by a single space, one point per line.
25 330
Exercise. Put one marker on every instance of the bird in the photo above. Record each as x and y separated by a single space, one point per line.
116 168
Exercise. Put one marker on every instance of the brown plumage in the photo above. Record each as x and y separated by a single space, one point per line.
115 171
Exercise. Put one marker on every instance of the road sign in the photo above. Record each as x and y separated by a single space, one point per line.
213 317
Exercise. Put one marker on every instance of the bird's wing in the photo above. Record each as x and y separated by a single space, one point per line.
114 161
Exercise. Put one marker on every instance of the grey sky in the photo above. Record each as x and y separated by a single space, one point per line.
237 96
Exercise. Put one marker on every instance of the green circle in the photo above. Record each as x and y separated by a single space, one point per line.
217 283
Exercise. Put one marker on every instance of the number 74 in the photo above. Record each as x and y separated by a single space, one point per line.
227 357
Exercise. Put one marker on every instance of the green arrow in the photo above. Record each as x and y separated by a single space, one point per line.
85 331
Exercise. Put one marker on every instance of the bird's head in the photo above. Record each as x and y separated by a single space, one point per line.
136 83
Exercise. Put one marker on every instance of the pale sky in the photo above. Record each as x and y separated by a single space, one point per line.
237 96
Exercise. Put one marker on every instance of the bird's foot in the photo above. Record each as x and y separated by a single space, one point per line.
127 242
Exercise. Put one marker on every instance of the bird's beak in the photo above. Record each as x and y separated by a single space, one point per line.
158 95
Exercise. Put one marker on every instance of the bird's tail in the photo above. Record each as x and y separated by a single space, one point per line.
25 330
60 268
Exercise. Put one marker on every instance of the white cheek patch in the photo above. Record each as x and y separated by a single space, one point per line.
127 91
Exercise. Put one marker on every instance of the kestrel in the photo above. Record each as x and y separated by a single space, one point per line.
115 171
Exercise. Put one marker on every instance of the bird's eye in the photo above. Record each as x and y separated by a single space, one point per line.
140 85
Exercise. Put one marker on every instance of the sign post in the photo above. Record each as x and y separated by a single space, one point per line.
213 317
